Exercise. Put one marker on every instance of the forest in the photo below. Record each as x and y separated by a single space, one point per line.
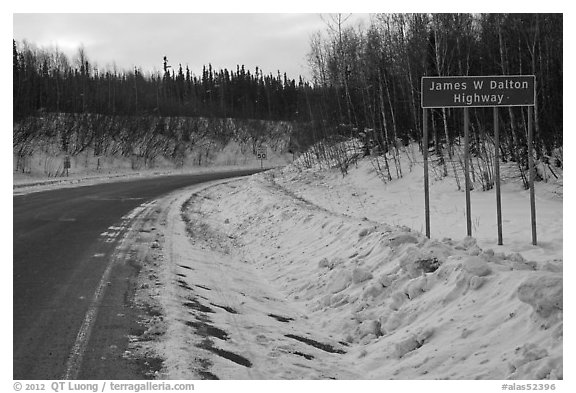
365 85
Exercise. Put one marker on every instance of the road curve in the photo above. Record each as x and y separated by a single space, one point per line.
55 272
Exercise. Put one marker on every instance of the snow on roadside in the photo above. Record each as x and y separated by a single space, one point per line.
295 274
409 307
401 202
218 318
22 184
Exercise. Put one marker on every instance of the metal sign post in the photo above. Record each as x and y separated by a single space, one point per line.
67 164
480 91
425 155
531 177
467 173
497 175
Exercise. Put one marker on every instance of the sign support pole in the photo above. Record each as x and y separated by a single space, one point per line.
467 173
497 174
532 176
425 155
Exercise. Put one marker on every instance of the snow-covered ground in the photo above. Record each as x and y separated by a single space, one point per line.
115 168
401 202
301 274
22 184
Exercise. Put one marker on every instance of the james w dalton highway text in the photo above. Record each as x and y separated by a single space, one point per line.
477 91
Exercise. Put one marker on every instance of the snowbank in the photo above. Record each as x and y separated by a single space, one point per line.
362 193
407 307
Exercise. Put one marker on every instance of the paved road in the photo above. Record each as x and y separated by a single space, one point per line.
56 274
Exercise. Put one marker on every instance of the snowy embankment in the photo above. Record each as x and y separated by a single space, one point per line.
299 274
25 184
100 148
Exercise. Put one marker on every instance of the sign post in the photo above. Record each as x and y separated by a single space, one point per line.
497 174
425 155
467 172
261 154
532 175
67 164
480 91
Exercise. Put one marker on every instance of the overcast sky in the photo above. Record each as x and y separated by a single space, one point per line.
270 41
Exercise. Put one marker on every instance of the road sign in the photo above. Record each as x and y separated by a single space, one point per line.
261 154
67 164
478 91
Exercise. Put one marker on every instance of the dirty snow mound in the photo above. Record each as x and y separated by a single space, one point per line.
408 307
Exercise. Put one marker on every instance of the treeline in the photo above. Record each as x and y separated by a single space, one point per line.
366 83
46 80
375 73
